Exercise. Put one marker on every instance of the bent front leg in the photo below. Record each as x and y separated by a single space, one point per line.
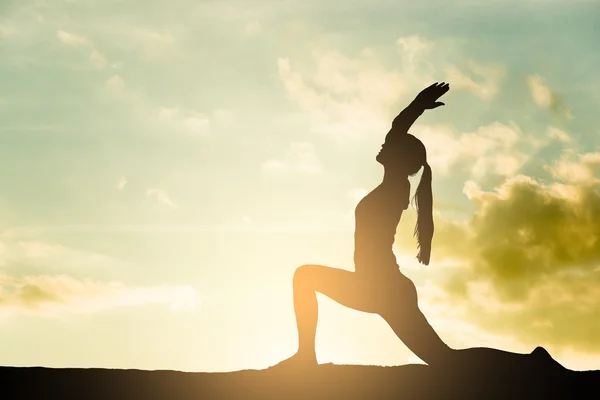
344 287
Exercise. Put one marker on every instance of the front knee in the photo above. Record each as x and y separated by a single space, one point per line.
303 275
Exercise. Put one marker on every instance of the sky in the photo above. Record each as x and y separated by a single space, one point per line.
165 166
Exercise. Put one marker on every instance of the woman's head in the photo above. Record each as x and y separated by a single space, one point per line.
402 154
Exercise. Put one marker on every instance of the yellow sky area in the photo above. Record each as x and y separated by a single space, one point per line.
153 213
522 271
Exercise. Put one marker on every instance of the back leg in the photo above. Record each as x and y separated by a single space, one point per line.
411 326
407 321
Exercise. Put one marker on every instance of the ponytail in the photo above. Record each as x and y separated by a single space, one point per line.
424 204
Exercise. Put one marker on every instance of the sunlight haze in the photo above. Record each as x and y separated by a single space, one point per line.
167 165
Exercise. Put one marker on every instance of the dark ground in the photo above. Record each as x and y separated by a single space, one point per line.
324 382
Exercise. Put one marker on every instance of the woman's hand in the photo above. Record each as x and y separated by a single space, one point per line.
427 99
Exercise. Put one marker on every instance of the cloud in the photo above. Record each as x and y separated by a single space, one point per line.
55 295
71 39
166 113
352 97
193 121
115 83
121 183
223 117
344 97
546 98
196 122
151 42
493 149
485 87
576 168
541 94
161 196
558 134
531 254
252 29
49 279
96 58
413 48
22 253
542 231
300 157
153 37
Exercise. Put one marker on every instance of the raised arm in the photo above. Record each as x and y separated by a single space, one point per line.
425 100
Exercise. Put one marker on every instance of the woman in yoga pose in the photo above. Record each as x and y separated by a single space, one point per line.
377 285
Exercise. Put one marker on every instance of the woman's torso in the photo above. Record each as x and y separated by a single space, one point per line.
376 218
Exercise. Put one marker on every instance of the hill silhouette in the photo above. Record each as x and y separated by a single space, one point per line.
329 381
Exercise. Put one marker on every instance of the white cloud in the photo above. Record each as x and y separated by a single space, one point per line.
152 43
558 134
490 149
276 166
545 98
415 52
576 168
224 116
166 113
414 45
115 83
487 86
344 98
55 295
443 146
300 157
472 190
47 279
160 195
21 251
71 39
352 97
121 183
97 59
196 122
252 28
541 94
153 37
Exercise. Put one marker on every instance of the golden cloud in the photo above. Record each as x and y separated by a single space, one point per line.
45 279
527 264
50 295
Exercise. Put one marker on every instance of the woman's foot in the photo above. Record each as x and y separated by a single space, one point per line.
298 360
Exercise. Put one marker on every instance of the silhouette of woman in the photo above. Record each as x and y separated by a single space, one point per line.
377 285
